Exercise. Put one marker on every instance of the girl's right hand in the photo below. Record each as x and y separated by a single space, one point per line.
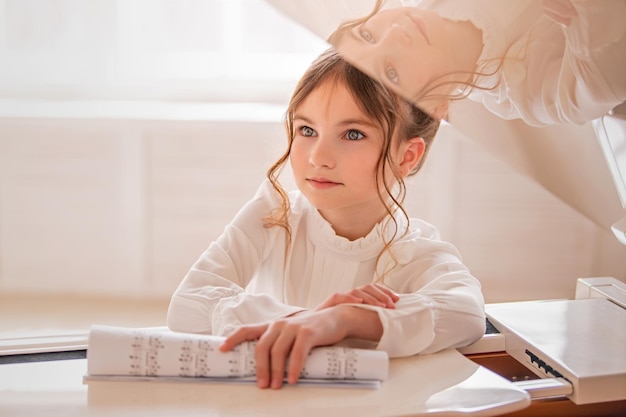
293 338
372 294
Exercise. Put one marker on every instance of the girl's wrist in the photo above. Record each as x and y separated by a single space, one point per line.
360 323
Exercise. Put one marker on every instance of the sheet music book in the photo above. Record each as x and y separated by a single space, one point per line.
157 354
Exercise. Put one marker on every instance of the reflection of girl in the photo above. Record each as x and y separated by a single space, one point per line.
564 60
339 258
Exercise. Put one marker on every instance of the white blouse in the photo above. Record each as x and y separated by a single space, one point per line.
244 277
558 73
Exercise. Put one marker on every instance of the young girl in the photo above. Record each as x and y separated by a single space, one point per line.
338 258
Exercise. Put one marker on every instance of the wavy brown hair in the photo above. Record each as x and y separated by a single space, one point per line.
383 106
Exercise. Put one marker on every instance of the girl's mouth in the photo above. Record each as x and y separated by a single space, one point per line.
322 183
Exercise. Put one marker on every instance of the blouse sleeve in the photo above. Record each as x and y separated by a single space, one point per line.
211 297
441 304
559 68
591 77
566 73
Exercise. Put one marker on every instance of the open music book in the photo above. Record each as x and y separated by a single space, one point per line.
119 353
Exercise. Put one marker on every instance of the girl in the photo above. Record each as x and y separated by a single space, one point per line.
338 258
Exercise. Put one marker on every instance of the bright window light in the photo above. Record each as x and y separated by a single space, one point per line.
199 50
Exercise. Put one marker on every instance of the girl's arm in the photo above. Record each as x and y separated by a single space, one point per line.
440 304
449 313
211 297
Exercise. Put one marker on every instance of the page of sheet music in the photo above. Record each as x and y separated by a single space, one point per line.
149 352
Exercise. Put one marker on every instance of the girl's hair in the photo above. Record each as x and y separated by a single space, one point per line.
462 88
388 109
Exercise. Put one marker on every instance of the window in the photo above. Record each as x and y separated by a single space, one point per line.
208 50
101 179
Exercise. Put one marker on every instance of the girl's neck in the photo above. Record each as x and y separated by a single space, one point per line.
351 226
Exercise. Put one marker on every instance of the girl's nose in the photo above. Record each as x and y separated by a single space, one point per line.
321 154
397 34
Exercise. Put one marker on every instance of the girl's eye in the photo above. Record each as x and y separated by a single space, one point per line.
367 36
392 75
307 131
353 134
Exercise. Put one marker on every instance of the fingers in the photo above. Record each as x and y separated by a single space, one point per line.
286 343
394 297
271 351
271 354
339 298
377 295
299 352
243 334
265 337
273 347
372 294
262 359
282 344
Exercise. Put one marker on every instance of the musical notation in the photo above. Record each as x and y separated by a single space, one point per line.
155 353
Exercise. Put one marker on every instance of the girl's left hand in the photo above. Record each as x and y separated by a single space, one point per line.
294 337
372 294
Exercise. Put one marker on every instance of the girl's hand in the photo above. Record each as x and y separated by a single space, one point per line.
293 338
372 294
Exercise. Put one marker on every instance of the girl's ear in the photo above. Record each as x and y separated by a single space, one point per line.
411 152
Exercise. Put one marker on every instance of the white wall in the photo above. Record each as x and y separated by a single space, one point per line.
519 239
114 205
120 207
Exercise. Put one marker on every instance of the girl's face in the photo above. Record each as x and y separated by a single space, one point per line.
334 154
405 48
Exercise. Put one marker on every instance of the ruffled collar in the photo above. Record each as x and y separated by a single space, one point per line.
321 233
